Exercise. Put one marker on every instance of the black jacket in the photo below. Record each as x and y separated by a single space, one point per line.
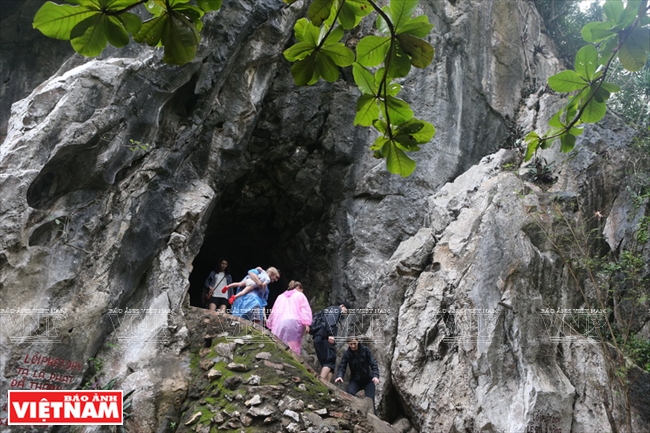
332 315
363 366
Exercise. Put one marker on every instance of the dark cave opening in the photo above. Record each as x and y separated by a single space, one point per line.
256 223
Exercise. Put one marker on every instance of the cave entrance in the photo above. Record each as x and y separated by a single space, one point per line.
256 223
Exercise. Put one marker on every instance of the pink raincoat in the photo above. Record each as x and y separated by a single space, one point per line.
290 315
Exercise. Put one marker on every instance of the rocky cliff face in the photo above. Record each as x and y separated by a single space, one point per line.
123 179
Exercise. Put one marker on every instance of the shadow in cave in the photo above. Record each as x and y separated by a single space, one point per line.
250 231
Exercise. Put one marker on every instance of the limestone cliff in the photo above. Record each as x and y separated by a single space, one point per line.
122 179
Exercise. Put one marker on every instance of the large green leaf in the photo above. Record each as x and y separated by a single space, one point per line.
347 18
372 50
151 30
57 21
398 110
180 39
401 11
566 81
361 8
613 10
116 33
611 87
367 110
298 51
115 5
209 5
568 142
131 22
338 52
593 111
421 52
397 162
586 62
89 36
319 11
418 27
532 142
633 54
399 63
326 68
364 79
419 130
597 31
303 70
352 11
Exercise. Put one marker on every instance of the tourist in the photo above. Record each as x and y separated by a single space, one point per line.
215 298
249 303
364 372
291 316
324 329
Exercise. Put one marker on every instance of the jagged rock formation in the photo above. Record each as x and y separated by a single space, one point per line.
122 179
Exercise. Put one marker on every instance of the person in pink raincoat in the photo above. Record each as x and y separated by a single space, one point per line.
291 316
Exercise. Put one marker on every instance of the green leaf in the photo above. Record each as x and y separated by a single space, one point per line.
586 62
379 144
89 36
116 33
307 32
397 162
597 31
380 22
340 54
556 120
352 11
398 110
347 18
421 131
303 70
610 87
57 21
372 50
601 95
364 79
131 22
180 39
630 13
613 10
367 110
593 111
568 142
400 63
418 27
532 142
151 30
380 126
633 54
401 11
298 51
209 5
566 81
326 68
393 89
319 11
361 8
421 52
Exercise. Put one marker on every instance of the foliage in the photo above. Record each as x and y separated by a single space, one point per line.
380 60
624 37
91 25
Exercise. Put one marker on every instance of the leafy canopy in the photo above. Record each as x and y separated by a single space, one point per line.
90 25
624 38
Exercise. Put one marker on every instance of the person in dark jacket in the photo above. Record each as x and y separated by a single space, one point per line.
364 372
324 338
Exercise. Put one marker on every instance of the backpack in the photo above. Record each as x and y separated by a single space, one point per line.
317 323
